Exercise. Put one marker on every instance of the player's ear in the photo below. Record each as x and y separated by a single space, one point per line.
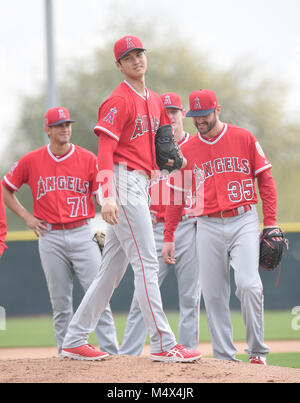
119 65
47 131
183 113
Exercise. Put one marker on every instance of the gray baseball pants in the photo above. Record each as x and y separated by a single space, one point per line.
187 273
221 243
131 240
65 253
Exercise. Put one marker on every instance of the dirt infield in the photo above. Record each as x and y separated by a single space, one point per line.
41 365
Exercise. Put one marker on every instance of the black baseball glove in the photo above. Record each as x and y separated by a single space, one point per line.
166 149
272 244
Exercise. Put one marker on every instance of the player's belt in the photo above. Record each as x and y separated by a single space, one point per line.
69 225
230 213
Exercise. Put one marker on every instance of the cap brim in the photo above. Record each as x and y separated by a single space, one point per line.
129 50
173 107
205 112
61 121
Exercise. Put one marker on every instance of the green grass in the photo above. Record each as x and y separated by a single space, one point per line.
38 332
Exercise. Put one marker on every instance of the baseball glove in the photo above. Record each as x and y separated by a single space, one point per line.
166 149
99 238
272 244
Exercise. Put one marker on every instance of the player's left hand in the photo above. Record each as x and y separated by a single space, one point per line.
168 154
110 211
38 226
273 243
171 162
168 252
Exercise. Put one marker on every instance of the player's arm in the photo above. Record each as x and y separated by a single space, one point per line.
112 115
173 215
268 195
13 203
266 184
3 225
106 149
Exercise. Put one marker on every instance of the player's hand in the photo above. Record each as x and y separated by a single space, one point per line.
168 252
278 239
110 211
38 226
171 162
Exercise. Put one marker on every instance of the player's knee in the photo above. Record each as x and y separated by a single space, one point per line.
248 288
61 305
189 302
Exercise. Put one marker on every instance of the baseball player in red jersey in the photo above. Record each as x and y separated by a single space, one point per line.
3 225
62 179
223 163
186 267
127 122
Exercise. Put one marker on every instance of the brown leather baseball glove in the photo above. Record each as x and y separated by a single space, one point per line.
99 238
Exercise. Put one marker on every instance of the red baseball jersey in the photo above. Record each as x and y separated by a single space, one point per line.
220 173
160 192
62 187
3 225
132 120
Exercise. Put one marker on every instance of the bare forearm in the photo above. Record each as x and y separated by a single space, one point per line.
14 204
38 226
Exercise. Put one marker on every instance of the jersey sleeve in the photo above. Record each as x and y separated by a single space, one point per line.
3 225
260 161
164 117
268 195
112 117
94 170
17 175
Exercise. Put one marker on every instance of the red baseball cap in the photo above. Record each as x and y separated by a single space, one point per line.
56 116
171 100
202 103
126 45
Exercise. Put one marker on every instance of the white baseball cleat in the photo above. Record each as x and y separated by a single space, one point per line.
86 352
178 353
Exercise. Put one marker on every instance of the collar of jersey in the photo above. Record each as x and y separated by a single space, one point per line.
184 140
217 139
134 90
63 158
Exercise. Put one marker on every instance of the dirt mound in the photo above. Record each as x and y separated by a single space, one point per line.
134 370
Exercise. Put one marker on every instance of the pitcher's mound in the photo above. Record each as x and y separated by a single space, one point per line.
128 369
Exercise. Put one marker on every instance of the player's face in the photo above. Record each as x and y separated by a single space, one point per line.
134 64
205 124
60 134
176 118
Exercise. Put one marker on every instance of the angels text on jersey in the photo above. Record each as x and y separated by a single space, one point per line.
63 183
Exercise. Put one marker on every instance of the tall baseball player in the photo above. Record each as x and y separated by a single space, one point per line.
186 267
127 122
62 179
223 163
3 225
